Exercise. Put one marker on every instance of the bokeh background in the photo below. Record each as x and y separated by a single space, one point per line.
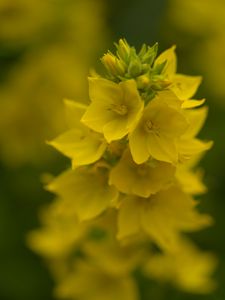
46 50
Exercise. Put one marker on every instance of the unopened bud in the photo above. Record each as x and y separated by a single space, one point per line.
113 65
135 68
142 81
123 49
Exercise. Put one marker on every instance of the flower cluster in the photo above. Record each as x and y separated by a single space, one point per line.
128 198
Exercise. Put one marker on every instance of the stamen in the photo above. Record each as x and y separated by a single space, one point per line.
148 126
120 109
142 170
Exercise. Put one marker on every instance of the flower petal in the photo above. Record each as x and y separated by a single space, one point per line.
185 86
87 193
163 148
82 146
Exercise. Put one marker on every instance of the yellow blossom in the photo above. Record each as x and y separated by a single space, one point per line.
85 190
109 254
80 144
141 180
188 268
115 108
60 231
162 216
191 182
86 282
190 177
158 130
188 144
183 86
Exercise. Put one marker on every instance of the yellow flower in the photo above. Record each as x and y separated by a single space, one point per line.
109 254
85 190
191 180
188 144
87 282
188 268
115 108
80 144
162 216
158 130
183 86
141 180
60 231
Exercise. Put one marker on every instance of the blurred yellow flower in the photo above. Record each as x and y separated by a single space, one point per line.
188 268
86 282
51 41
162 216
85 190
188 144
60 231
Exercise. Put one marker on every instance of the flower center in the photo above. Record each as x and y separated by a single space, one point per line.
149 126
120 109
142 170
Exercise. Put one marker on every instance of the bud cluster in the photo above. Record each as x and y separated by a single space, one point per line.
128 64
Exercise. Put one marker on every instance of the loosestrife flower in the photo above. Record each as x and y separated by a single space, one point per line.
132 183
115 108
80 144
157 133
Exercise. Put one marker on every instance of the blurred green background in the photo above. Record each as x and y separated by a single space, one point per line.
23 274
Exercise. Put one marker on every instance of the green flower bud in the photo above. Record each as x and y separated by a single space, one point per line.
135 67
123 50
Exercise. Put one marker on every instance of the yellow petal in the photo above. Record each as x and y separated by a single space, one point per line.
169 121
103 91
188 268
101 286
74 112
187 148
129 217
196 119
87 193
191 182
163 148
185 86
138 146
115 130
192 103
82 146
97 115
171 66
141 180
169 98
169 212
